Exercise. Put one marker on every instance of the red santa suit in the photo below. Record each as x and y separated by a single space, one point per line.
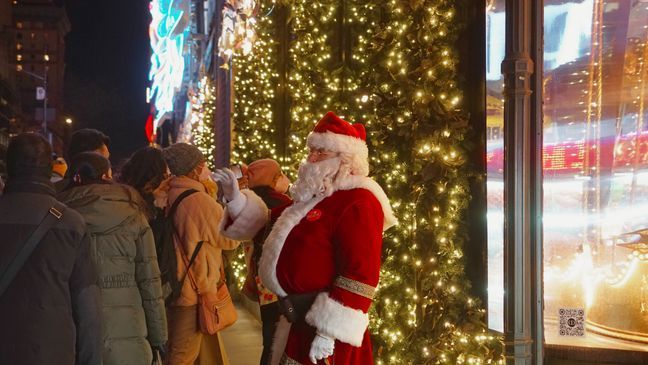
329 244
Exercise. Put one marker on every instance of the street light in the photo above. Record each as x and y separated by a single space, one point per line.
68 121
44 80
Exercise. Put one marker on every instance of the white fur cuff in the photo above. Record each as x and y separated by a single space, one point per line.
252 217
334 319
236 206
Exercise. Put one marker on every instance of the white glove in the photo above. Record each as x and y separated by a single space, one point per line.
228 181
321 348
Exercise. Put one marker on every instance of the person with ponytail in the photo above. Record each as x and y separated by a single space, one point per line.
133 312
146 170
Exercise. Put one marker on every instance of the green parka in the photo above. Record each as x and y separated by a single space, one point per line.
123 248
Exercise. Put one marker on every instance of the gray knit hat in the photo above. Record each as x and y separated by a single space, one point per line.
182 158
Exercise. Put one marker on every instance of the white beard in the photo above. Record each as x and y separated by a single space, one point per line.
317 179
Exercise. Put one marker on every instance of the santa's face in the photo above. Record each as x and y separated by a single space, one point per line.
320 154
315 179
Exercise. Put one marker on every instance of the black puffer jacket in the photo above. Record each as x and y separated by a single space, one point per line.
50 311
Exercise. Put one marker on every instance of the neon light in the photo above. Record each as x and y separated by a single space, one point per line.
168 31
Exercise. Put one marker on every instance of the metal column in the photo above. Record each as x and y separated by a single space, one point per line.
223 80
522 185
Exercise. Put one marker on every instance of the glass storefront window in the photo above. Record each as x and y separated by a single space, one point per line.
495 40
595 162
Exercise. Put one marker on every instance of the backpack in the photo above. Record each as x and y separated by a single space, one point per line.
163 231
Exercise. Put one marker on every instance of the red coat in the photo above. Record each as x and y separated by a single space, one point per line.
331 245
328 244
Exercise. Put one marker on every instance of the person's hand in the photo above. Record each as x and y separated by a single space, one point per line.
228 181
321 348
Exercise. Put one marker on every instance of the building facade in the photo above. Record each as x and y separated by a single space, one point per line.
36 56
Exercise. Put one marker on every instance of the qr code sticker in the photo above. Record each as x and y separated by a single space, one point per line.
572 322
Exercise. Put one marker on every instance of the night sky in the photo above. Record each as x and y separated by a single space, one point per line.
107 64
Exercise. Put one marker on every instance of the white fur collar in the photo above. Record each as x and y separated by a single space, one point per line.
355 181
294 214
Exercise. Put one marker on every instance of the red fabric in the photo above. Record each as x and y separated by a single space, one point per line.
276 212
302 335
148 128
332 123
345 240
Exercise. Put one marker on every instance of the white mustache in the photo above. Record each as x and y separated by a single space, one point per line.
315 179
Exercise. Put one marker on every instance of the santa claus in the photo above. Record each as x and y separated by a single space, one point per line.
322 254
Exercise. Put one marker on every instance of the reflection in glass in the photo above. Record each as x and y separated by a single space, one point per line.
495 28
595 161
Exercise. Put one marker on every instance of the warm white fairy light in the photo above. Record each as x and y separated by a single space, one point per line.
203 106
422 304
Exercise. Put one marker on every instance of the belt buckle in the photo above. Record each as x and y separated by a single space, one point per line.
55 212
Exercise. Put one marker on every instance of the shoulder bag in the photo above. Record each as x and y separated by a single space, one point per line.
216 311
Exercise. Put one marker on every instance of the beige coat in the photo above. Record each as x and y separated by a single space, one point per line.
197 219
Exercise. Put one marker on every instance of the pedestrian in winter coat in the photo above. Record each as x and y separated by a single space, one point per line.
124 251
265 178
84 140
197 218
145 170
50 312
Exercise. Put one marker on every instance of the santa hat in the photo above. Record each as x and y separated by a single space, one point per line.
337 135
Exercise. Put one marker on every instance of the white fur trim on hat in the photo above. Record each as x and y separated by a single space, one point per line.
338 143
334 319
250 220
355 147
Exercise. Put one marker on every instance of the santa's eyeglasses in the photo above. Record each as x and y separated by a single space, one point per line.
320 154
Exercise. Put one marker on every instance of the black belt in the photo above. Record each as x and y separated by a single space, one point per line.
294 307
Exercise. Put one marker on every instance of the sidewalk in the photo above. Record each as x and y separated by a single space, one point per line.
243 341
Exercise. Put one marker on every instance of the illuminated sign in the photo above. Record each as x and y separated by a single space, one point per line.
168 32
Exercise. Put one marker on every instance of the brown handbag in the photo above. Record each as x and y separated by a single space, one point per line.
216 311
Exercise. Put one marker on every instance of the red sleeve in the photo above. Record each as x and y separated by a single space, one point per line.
358 244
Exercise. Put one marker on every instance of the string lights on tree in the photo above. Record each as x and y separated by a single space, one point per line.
255 79
395 72
420 144
203 109
309 54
